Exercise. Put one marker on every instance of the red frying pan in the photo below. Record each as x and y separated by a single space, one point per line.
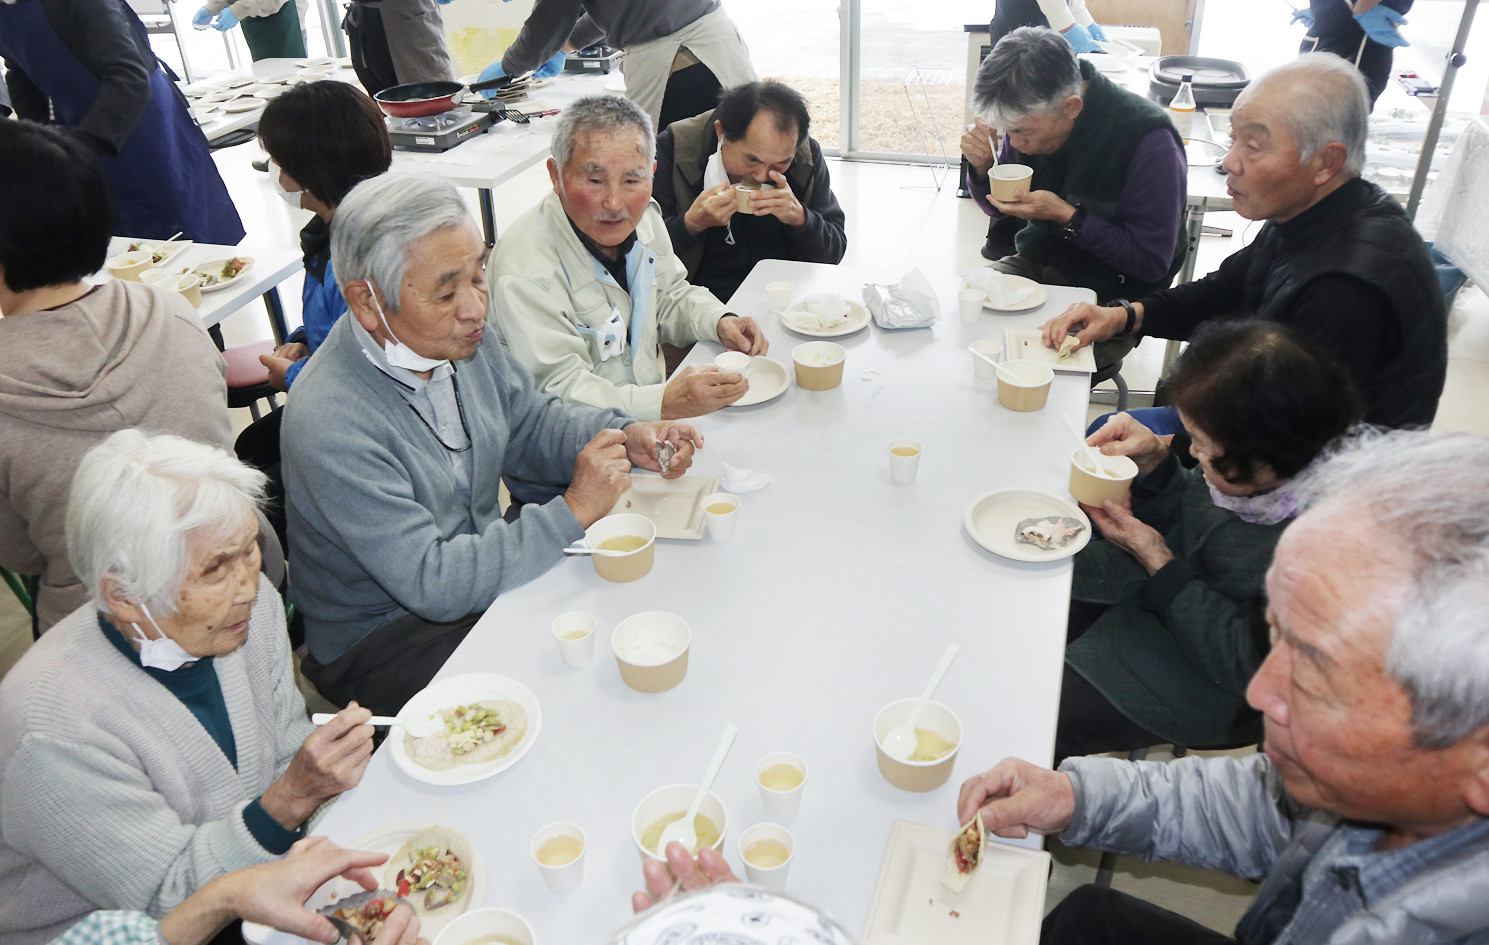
418 99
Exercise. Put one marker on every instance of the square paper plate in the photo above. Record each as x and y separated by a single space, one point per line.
1003 903
675 506
1028 344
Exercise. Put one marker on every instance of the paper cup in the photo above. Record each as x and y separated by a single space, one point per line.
918 775
674 799
487 922
1007 180
733 362
779 804
1024 385
902 467
634 564
128 266
574 632
989 349
767 877
564 877
969 304
1092 489
778 296
744 188
152 276
188 284
721 524
651 649
819 364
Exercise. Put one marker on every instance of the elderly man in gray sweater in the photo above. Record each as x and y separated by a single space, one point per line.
396 439
1367 814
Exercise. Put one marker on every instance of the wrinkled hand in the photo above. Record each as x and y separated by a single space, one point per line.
1034 205
711 208
708 870
697 390
602 472
1089 323
279 363
1123 435
1017 799
779 202
977 146
330 761
742 333
642 440
1120 527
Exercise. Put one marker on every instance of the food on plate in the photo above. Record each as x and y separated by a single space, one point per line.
366 911
708 831
157 251
965 854
1067 347
474 733
929 746
1049 532
212 274
432 870
623 543
821 311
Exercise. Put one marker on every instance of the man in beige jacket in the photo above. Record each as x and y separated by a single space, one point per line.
585 288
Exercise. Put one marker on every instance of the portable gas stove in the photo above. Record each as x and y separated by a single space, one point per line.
438 133
601 58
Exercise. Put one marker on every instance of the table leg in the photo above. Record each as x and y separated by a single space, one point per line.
215 333
276 315
488 216
1194 228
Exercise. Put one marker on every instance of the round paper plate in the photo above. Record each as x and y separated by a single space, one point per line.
1019 282
238 105
858 319
461 690
992 517
769 379
215 266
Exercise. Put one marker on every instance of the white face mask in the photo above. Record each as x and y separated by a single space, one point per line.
713 171
291 197
398 355
163 654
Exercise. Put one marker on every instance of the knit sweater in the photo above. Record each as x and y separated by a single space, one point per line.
112 795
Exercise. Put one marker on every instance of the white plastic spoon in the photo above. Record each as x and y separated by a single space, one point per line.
984 357
419 725
683 831
1007 375
595 551
1091 454
900 742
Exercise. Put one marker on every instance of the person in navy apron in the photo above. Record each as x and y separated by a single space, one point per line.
88 63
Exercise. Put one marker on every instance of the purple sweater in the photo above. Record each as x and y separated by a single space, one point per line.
1139 239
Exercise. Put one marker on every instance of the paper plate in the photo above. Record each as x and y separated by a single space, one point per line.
214 266
1105 62
992 517
121 244
1019 282
1027 344
461 690
675 506
239 105
769 379
858 319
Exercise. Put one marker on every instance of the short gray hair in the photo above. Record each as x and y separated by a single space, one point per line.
379 219
1031 71
137 498
607 114
1330 104
1429 495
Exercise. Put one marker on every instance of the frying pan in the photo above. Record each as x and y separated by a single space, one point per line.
418 99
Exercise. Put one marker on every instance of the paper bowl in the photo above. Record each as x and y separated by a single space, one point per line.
189 284
672 799
128 266
482 922
633 565
1029 388
637 644
152 276
742 191
1091 489
815 376
918 775
1006 180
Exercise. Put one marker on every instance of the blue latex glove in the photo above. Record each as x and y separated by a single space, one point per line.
1380 22
493 71
550 68
1080 39
1304 16
202 18
1097 33
225 20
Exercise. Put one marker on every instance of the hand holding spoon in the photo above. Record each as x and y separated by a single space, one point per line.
1096 465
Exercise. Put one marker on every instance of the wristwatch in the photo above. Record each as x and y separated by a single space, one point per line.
1071 231
1131 316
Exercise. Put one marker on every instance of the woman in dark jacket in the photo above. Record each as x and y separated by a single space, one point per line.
1167 614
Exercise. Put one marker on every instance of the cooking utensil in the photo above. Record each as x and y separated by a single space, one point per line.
419 725
900 741
683 831
1080 438
418 99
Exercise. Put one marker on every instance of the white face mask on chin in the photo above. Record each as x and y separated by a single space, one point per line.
398 355
163 654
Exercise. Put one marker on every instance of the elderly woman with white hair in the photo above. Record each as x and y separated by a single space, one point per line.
155 739
396 440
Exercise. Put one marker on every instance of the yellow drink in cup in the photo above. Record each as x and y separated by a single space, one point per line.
767 853
556 851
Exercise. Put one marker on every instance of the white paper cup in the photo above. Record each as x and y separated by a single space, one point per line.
778 296
188 284
675 798
768 877
483 922
969 304
779 804
152 276
574 632
989 349
734 362
565 877
902 468
721 525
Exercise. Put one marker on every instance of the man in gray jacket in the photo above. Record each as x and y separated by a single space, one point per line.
1367 815
395 441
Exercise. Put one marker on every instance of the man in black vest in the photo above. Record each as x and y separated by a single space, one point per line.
1105 207
1338 258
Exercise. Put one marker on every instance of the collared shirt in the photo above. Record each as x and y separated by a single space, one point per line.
617 266
1348 875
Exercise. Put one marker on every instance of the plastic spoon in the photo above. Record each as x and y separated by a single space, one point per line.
419 725
1007 375
1091 454
982 356
900 742
683 831
595 551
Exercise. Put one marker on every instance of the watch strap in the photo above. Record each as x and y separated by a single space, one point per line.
1131 315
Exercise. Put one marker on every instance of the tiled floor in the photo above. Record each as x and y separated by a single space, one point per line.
896 220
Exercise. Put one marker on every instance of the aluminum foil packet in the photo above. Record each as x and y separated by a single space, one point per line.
910 303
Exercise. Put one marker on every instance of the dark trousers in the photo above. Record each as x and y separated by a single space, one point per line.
389 665
1095 916
258 446
369 47
691 91
1089 723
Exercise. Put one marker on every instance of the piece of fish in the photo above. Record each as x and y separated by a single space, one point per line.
1049 532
